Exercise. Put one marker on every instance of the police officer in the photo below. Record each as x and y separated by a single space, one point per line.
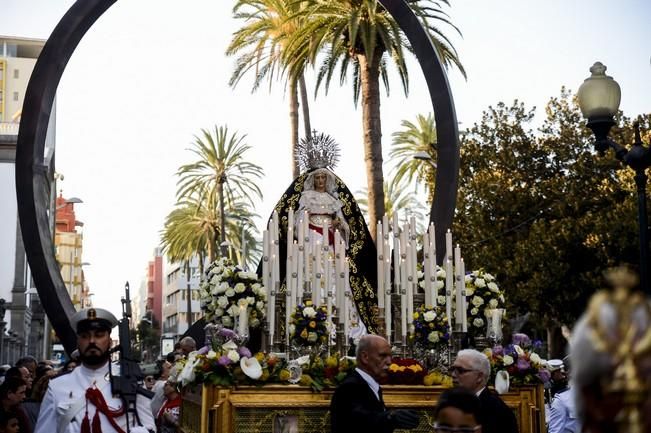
82 401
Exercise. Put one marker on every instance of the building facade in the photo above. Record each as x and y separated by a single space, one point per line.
23 326
175 308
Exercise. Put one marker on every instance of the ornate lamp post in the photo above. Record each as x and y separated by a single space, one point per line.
599 98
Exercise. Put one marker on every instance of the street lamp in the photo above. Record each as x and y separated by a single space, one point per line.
599 98
424 156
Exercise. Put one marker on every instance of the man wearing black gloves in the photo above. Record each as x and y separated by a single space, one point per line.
357 403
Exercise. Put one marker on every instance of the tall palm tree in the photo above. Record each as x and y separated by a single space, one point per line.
361 35
268 26
220 174
415 139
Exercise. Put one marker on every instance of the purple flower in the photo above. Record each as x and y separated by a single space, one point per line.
521 340
228 334
544 375
203 350
510 350
224 360
537 344
498 350
523 364
244 352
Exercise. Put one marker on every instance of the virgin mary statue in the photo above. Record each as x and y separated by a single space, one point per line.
329 205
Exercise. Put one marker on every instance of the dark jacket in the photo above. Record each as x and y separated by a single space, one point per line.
496 416
354 408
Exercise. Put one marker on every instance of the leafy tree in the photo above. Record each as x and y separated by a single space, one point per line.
262 40
361 36
543 211
413 139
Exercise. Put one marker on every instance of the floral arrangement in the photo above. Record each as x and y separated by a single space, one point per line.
430 327
438 283
226 289
520 360
482 294
406 371
308 325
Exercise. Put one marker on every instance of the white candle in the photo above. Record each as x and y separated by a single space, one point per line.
271 306
448 245
428 271
448 291
464 302
243 248
265 261
403 301
459 288
317 275
396 256
243 322
410 281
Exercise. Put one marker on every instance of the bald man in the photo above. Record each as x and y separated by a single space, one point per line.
357 404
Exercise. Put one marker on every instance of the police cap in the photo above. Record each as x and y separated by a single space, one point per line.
93 319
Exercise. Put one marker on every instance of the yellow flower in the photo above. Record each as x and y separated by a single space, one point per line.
304 333
394 367
259 356
447 382
312 324
434 378
265 375
305 380
331 361
415 368
284 375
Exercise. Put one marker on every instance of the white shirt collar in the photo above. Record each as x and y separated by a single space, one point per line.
372 383
480 391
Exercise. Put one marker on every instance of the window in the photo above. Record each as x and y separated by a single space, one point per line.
16 73
16 96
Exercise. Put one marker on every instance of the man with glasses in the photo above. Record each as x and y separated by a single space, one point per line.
471 371
457 411
357 404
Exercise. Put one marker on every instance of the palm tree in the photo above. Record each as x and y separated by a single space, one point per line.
220 175
361 35
410 142
269 25
396 199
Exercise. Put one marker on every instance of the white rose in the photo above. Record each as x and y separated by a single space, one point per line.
535 358
259 305
467 278
233 355
493 303
219 312
211 354
421 284
250 300
229 345
474 311
478 322
223 286
479 282
433 337
493 287
470 291
518 350
222 301
215 280
477 301
507 360
309 312
230 293
234 310
303 360
254 323
312 337
429 316
501 298
439 284
256 286
227 321
292 329
240 287
441 300
488 277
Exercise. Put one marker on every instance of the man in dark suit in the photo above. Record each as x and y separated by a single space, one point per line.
471 371
357 403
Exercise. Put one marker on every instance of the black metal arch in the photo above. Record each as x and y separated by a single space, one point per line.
31 176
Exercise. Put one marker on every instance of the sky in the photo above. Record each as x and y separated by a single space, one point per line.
150 74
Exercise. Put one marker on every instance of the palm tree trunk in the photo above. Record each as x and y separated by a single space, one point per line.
293 118
222 217
370 74
305 107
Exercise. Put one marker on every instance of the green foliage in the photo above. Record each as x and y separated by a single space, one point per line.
542 211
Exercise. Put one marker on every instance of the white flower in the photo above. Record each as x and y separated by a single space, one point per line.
474 311
233 311
250 300
233 355
420 274
493 303
429 315
229 345
240 287
501 298
230 293
440 273
535 358
493 287
259 305
421 284
227 321
215 280
467 278
222 301
478 322
254 323
292 329
439 284
312 337
242 302
433 337
518 350
211 354
507 360
480 282
303 360
488 277
309 312
441 300
256 286
251 367
477 301
219 312
470 291
187 374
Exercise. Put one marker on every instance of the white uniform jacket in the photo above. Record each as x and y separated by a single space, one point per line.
64 405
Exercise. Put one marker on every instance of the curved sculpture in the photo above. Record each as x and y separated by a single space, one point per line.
31 176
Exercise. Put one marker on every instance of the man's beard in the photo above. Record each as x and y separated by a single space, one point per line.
94 360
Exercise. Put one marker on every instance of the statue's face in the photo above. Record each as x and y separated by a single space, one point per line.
320 182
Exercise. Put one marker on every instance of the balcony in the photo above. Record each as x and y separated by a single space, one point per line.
9 128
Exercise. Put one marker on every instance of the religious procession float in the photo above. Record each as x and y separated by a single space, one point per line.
278 340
